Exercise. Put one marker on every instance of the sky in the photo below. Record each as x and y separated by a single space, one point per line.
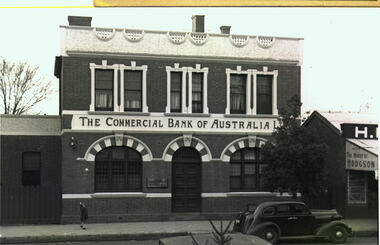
341 45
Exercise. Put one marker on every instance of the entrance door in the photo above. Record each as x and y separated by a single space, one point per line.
186 184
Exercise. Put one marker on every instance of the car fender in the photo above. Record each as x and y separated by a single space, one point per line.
325 229
253 230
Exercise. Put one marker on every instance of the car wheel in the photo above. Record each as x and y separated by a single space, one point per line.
338 234
269 234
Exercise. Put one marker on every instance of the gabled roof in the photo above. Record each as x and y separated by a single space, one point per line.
334 119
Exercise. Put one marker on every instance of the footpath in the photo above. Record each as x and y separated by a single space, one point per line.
133 231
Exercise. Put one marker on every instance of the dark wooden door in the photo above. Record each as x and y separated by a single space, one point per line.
186 184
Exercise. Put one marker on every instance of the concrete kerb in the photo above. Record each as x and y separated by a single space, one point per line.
89 237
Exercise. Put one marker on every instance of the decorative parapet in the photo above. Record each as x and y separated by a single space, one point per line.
265 42
133 35
198 38
177 37
239 40
82 40
104 34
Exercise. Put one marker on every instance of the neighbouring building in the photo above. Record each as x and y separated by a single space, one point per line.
351 165
153 125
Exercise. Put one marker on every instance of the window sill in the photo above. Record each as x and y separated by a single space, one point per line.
250 194
179 114
118 113
250 116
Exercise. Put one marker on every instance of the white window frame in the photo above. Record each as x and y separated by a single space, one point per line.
198 69
116 68
274 89
252 74
104 66
133 67
238 71
185 70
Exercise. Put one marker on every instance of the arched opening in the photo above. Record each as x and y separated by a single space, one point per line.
118 169
186 180
246 170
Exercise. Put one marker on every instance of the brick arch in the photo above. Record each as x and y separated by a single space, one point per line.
250 141
187 141
118 140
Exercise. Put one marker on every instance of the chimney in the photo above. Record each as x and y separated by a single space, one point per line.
79 21
225 29
198 23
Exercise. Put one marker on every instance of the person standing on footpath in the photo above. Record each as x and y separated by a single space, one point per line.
83 214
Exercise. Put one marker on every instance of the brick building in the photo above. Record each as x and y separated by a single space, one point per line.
351 168
163 125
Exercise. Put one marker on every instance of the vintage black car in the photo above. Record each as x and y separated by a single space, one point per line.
274 220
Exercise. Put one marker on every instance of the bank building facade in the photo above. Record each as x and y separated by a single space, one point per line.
153 125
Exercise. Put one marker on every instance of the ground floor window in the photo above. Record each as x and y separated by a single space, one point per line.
245 170
357 187
118 169
31 168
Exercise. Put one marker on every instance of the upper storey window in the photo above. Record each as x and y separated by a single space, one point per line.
238 93
264 94
132 90
197 93
186 89
118 87
251 92
104 90
175 91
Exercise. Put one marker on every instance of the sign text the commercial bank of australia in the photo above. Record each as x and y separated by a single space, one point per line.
180 123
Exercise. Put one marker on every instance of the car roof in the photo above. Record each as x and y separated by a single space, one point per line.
266 204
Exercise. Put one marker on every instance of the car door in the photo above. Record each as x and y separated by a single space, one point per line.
283 220
302 219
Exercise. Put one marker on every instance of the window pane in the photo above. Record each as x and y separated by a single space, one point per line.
31 168
235 170
118 175
249 168
133 80
197 80
357 187
249 154
264 94
238 93
249 182
120 171
175 101
283 209
132 100
101 176
104 99
176 81
236 155
104 79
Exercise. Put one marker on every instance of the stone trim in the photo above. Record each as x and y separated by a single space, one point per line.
190 141
118 140
250 141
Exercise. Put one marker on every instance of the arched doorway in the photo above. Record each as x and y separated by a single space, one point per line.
118 169
186 180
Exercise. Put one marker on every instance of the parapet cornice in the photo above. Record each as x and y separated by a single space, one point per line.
178 43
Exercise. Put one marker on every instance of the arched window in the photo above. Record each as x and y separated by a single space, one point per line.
117 169
245 170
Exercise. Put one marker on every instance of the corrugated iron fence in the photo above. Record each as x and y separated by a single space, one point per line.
31 205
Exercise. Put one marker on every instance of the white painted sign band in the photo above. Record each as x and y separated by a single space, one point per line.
180 124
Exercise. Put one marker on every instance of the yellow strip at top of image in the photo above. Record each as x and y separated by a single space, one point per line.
262 3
